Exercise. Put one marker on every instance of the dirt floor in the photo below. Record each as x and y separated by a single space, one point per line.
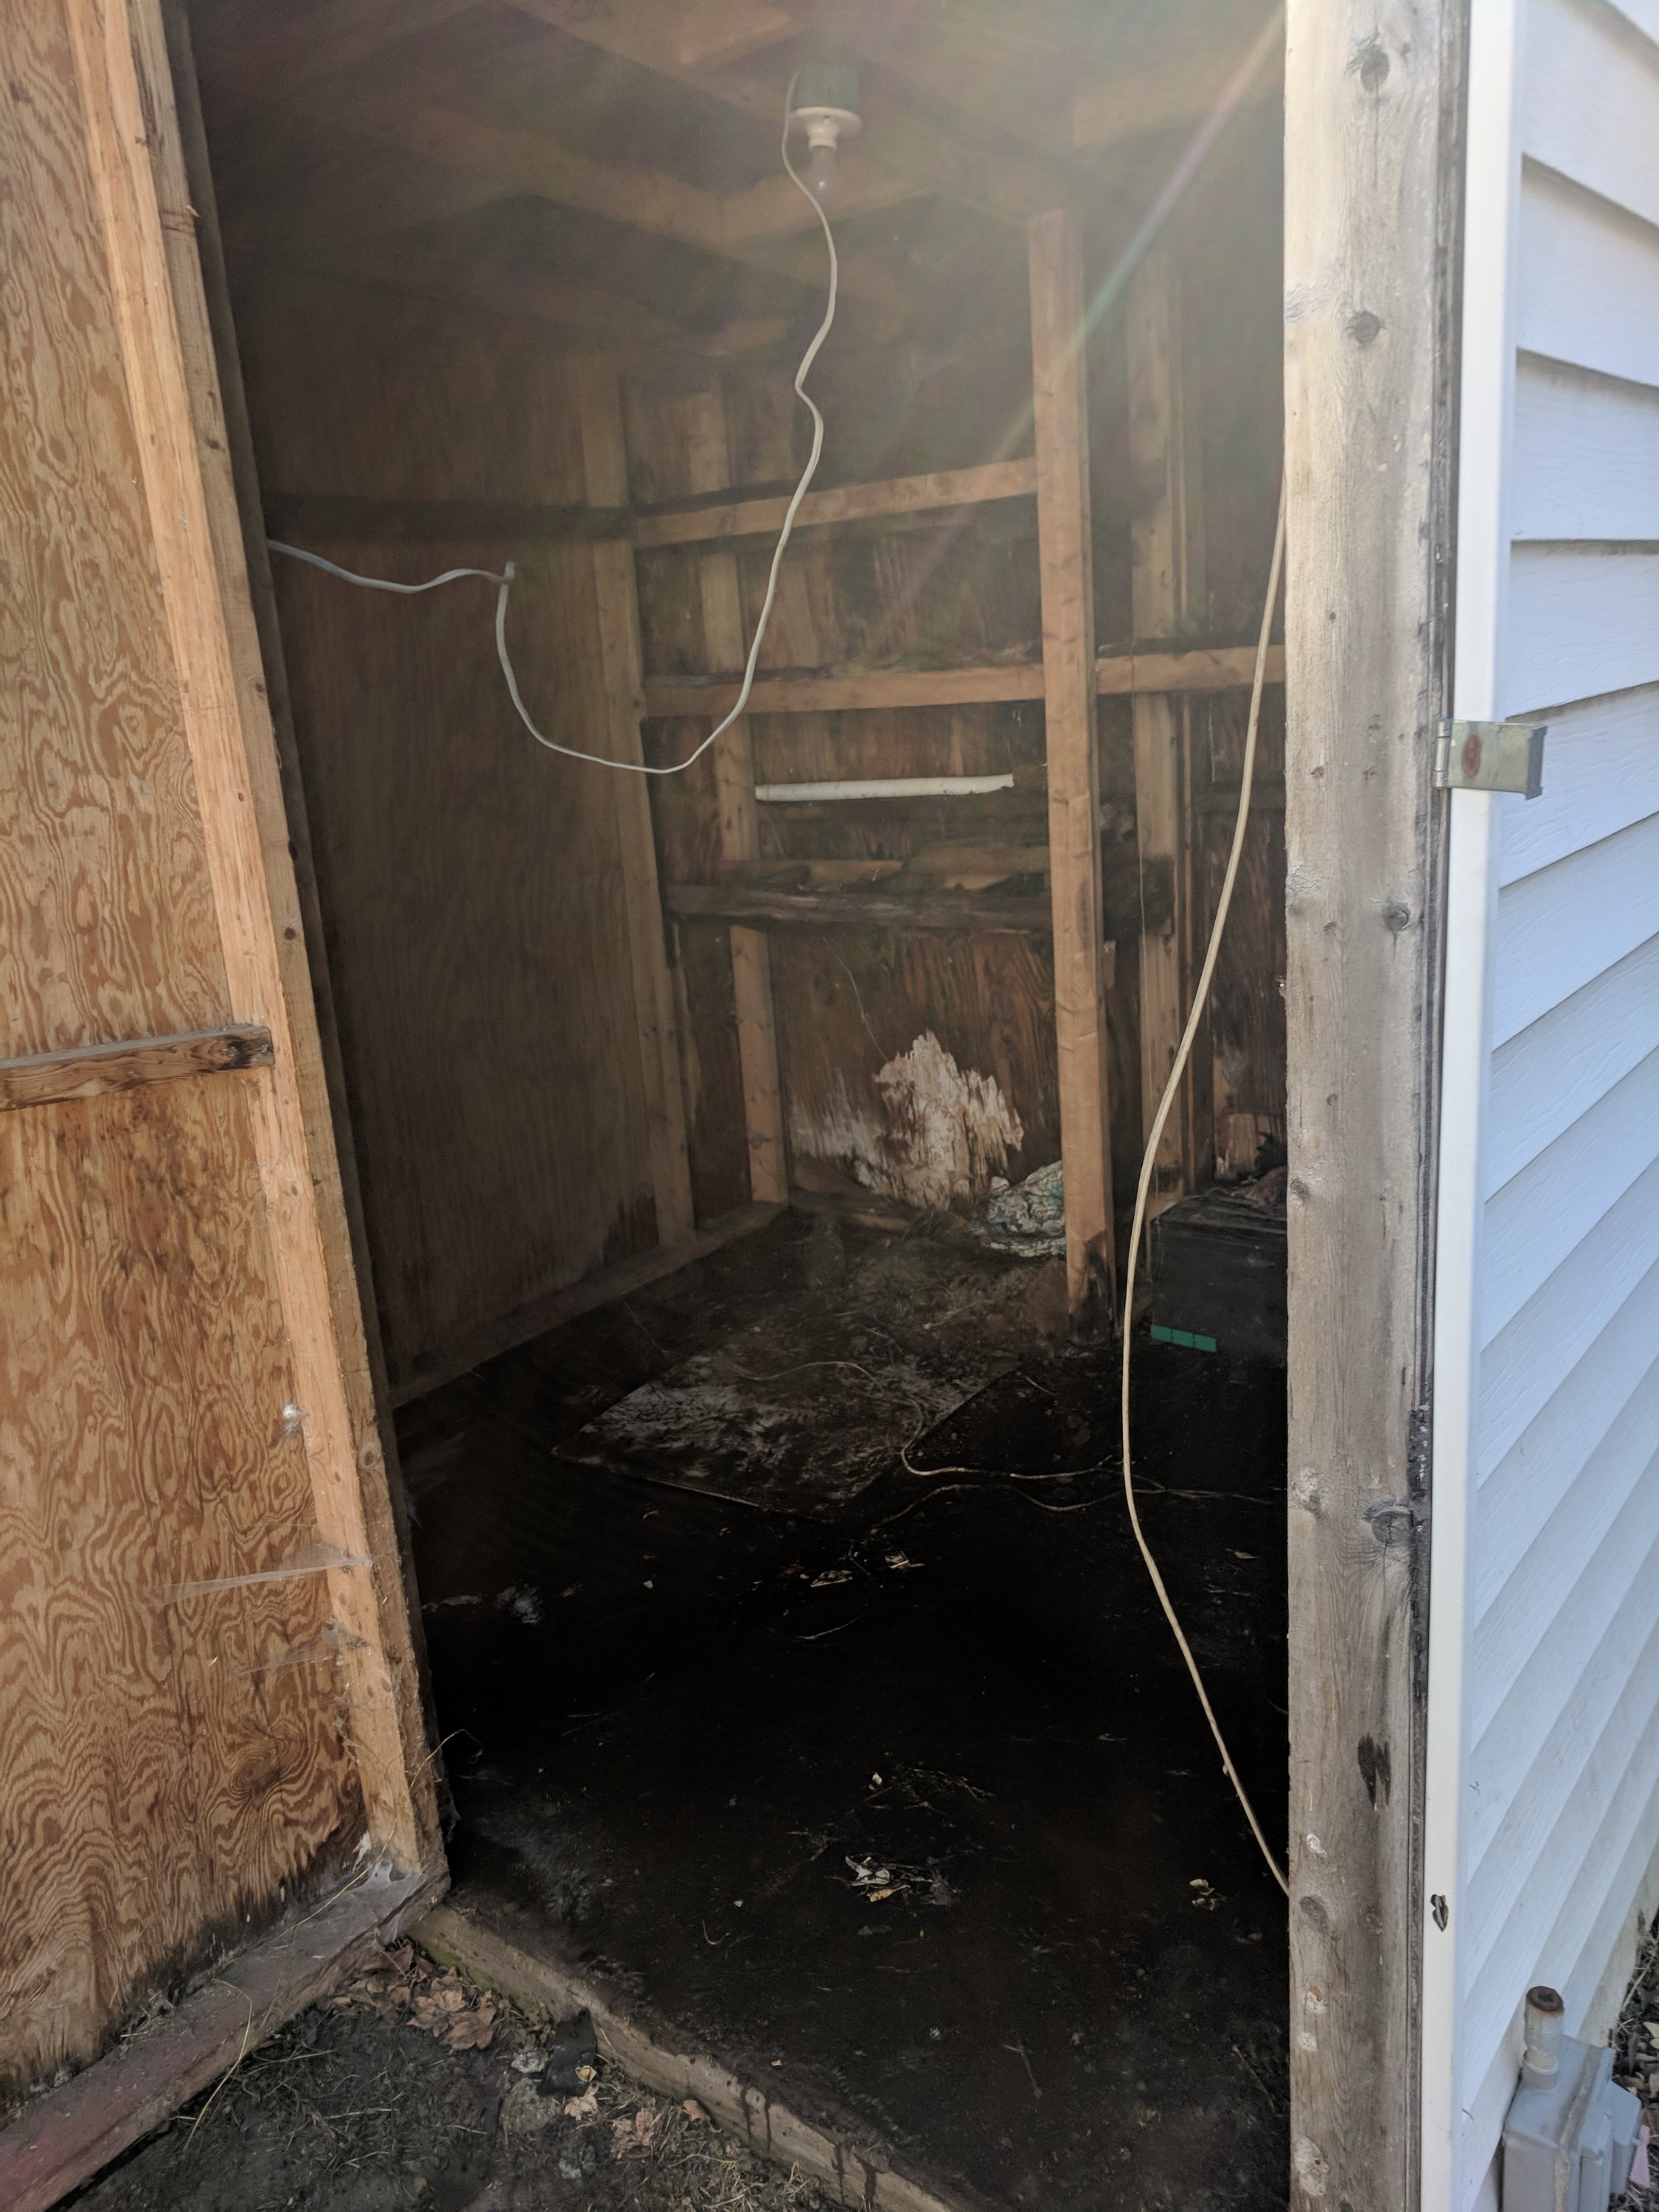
804 1698
413 2090
890 1792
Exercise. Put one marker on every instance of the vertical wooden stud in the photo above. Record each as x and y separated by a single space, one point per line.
1167 589
733 761
616 723
1059 395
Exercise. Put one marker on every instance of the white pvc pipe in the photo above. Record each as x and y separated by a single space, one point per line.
890 787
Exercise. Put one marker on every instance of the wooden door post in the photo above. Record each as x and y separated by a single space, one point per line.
1371 187
733 764
1059 396
616 724
1166 590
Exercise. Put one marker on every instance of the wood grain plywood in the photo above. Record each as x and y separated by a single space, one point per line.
471 883
919 1066
473 892
107 922
171 1762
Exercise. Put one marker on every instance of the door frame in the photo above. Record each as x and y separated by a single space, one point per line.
1373 180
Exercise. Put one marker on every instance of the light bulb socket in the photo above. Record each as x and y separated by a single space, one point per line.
828 84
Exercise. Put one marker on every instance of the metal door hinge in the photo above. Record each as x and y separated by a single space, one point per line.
1490 756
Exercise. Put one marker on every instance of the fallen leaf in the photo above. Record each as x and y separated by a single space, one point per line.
633 2138
472 2031
585 2107
880 1896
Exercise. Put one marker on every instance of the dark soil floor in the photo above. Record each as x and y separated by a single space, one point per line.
900 1802
371 2105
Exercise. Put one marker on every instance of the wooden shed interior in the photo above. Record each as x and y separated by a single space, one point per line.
668 1085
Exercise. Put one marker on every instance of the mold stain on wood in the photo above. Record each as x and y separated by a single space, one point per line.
941 1132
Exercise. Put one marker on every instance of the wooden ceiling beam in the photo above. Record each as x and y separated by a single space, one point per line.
709 34
504 162
489 162
901 153
597 316
410 232
245 51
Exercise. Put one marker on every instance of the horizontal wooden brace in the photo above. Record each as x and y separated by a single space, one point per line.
88 1070
1198 668
1205 668
818 694
746 518
537 1315
302 518
858 908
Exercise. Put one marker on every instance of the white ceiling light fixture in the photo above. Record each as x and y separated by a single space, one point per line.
825 106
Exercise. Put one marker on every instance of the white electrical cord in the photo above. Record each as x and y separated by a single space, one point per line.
1150 1161
505 581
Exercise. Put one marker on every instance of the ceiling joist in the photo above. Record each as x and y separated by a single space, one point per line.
902 152
486 163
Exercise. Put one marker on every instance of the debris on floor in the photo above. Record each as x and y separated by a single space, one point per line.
1027 1218
1636 2068
800 1410
401 1983
799 1438
856 1802
413 2089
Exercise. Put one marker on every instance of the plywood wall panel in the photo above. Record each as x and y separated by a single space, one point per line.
106 923
472 887
375 395
172 1759
920 1067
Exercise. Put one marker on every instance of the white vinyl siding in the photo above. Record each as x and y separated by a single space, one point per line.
1558 1700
